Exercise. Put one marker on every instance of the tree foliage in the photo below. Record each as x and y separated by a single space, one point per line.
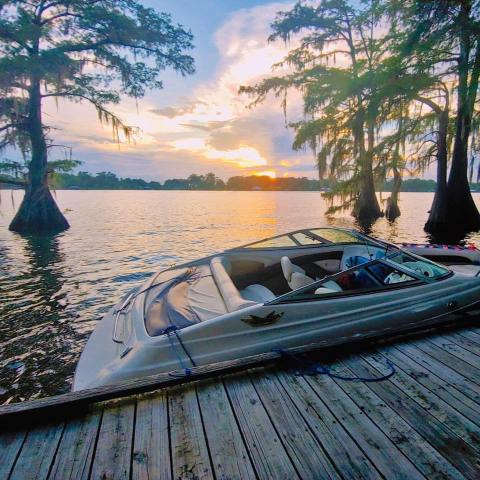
91 51
388 87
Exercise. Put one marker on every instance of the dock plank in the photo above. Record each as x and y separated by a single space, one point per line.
229 455
349 460
451 377
10 446
190 456
455 398
76 449
452 361
470 335
466 343
450 446
304 450
38 452
114 446
151 446
268 422
266 449
449 345
371 439
430 401
407 439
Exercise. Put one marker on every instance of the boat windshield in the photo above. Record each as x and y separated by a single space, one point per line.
312 237
418 265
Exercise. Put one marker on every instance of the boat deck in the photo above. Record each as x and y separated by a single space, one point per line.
270 422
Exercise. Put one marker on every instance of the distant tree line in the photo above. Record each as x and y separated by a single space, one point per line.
110 181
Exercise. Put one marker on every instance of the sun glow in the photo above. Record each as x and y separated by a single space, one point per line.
267 173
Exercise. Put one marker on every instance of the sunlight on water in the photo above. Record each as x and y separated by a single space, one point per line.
54 290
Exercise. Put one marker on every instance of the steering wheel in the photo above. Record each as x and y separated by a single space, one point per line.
420 267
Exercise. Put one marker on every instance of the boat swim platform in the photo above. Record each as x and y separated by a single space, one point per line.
268 421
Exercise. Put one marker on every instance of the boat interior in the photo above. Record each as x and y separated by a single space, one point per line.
260 272
239 279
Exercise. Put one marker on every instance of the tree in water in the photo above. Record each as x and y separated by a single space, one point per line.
452 29
78 50
338 69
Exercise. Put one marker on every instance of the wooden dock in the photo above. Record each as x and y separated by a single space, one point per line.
268 422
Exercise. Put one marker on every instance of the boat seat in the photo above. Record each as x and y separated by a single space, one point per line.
328 287
221 268
294 275
258 293
356 254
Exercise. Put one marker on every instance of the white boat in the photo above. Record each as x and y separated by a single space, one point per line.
322 286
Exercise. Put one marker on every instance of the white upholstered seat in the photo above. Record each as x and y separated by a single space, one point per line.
294 275
257 293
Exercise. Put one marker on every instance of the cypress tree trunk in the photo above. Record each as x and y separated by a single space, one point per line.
38 212
367 208
461 213
437 219
392 211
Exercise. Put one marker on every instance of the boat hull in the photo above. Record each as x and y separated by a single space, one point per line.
262 328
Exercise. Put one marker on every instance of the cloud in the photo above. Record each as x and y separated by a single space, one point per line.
208 128
188 106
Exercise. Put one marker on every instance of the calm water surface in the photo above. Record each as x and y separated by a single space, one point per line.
53 290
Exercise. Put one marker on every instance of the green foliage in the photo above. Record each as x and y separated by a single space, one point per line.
378 81
83 50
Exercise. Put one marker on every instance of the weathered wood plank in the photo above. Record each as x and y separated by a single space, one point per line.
38 452
470 335
114 446
265 447
466 343
448 375
407 439
349 460
229 455
450 446
455 398
76 449
459 352
10 445
190 457
437 407
451 361
370 438
151 447
304 450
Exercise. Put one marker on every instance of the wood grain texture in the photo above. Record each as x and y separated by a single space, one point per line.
114 445
304 450
190 456
266 449
349 459
407 439
38 452
432 403
76 449
379 448
10 446
151 452
229 455
449 445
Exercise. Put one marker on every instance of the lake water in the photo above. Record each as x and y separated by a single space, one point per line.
53 290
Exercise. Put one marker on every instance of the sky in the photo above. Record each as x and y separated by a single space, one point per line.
198 124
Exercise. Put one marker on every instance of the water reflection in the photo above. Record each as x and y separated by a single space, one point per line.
35 341
55 289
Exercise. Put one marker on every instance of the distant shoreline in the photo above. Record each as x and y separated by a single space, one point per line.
96 189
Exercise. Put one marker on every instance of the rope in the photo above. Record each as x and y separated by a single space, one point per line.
311 368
